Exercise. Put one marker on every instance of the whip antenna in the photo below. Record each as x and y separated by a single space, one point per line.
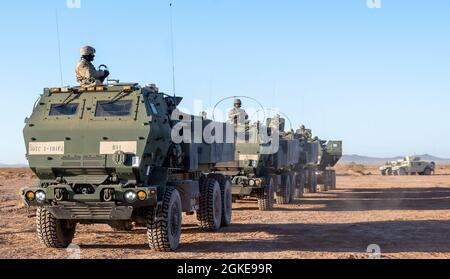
59 47
172 48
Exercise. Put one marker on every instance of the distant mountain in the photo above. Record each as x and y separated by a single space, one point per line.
6 166
365 160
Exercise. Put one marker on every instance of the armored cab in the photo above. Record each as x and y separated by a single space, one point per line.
121 155
262 166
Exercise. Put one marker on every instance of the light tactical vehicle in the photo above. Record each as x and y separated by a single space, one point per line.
410 165
106 154
262 172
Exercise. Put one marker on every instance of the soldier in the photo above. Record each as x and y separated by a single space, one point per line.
237 115
85 71
304 133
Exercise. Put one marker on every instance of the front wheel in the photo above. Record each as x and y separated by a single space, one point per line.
164 224
283 196
210 208
54 233
265 196
300 186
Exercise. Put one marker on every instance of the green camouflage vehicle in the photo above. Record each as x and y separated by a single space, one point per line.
410 165
106 155
317 158
329 155
261 171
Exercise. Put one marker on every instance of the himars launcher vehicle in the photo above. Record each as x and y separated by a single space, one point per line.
262 172
105 154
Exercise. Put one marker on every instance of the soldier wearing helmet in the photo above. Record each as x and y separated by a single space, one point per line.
304 133
86 73
237 114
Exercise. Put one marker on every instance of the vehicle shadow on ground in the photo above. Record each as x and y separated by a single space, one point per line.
380 199
366 199
391 236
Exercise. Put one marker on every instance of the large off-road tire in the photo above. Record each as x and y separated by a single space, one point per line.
265 196
312 182
293 183
210 207
164 225
52 232
227 198
427 171
283 194
124 226
333 180
300 186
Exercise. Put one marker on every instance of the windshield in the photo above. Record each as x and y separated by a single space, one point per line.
63 110
115 109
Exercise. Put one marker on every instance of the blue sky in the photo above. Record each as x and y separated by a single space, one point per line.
379 79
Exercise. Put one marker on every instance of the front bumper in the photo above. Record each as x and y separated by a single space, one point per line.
91 206
90 211
241 190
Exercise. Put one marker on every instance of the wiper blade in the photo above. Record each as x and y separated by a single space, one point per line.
119 96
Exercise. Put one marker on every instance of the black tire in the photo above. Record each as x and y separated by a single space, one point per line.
284 194
312 185
265 196
210 207
53 233
164 227
333 180
227 201
300 186
427 171
124 226
292 191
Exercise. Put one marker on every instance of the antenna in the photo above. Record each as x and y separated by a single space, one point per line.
59 47
172 48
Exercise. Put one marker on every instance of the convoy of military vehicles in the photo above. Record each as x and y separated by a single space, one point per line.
124 155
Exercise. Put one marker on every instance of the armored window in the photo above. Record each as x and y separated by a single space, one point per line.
113 109
63 110
153 109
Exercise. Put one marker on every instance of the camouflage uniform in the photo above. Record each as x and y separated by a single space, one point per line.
237 115
85 71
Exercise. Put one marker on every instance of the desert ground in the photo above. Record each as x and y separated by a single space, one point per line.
407 217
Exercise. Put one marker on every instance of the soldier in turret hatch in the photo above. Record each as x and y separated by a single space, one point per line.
86 73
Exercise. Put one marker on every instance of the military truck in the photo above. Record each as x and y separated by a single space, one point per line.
260 171
315 168
106 154
410 165
330 153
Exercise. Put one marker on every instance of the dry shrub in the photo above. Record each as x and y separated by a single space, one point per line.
357 168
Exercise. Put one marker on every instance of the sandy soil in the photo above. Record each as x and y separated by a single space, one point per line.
407 217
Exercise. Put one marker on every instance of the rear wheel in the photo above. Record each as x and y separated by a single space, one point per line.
52 232
312 183
300 186
265 196
333 180
164 224
284 194
427 171
293 183
210 208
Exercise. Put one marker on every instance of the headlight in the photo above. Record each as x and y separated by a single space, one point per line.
258 182
40 196
130 196
30 196
251 182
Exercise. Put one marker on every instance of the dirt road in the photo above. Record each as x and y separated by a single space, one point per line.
407 217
